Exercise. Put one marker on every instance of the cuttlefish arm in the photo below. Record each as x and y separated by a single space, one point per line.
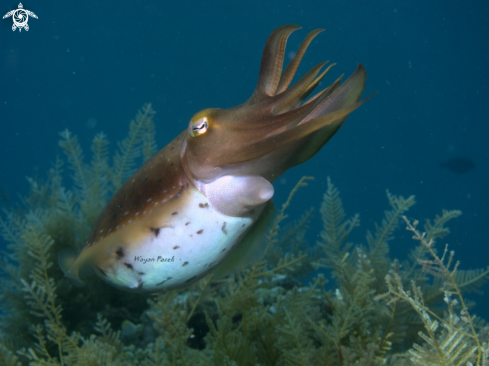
186 210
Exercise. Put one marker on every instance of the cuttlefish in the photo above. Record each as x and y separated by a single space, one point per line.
209 191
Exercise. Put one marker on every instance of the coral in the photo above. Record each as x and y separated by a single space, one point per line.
54 217
334 303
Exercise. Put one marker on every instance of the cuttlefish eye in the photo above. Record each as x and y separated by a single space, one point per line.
198 127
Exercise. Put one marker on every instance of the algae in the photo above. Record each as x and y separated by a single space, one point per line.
333 303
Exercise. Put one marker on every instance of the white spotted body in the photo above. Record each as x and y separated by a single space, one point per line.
160 232
173 248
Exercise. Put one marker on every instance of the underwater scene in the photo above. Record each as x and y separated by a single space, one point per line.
244 183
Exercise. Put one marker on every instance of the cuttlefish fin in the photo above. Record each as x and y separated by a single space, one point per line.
249 250
66 261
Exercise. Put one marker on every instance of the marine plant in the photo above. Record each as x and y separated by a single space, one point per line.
333 303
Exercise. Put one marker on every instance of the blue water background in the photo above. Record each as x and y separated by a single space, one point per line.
90 65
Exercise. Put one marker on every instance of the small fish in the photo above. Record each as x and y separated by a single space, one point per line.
458 165
209 191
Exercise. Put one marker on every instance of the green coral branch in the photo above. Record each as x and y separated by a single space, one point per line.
262 315
129 148
73 151
272 234
439 348
7 358
433 231
378 242
297 349
336 231
149 147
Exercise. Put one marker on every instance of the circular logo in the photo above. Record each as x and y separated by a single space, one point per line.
20 18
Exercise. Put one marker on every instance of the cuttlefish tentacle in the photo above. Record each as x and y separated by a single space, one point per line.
271 64
276 131
291 68
313 85
331 122
340 97
326 92
298 91
278 108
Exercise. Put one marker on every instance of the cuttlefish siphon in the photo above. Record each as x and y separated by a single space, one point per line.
207 193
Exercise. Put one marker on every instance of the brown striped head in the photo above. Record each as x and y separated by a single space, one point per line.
280 125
